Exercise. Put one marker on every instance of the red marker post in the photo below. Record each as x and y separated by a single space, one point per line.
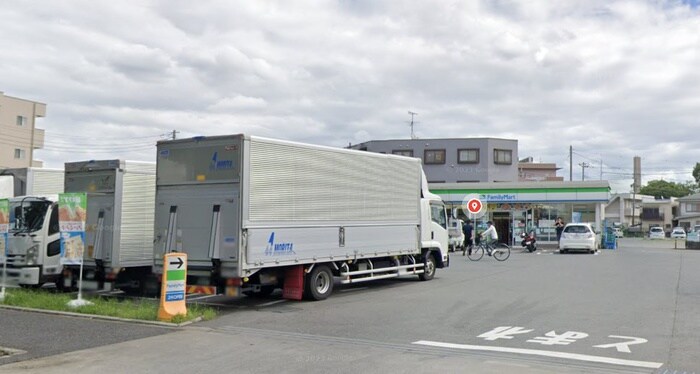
474 206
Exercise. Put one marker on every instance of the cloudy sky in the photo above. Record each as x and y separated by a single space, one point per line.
613 79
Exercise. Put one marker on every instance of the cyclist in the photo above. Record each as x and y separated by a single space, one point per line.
491 237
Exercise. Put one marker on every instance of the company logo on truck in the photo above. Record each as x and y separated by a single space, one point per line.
274 249
217 164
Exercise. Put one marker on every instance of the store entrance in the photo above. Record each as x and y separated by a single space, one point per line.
503 222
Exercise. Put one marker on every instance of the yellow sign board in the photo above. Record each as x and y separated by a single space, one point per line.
172 293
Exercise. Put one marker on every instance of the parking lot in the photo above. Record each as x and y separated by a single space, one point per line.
633 309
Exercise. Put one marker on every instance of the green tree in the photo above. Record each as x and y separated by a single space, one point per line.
696 172
692 186
667 189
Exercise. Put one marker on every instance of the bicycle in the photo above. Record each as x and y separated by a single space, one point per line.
500 251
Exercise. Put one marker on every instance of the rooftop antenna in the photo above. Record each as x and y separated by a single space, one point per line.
413 135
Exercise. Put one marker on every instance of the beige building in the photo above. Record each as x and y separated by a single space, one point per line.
642 211
530 171
19 137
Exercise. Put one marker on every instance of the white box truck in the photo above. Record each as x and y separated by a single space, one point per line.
30 182
254 214
119 223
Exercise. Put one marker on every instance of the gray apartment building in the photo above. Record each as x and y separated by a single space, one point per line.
19 137
519 196
456 160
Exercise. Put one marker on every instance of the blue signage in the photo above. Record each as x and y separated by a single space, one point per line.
217 164
175 296
274 249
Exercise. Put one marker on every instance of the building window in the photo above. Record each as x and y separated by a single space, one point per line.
503 156
468 156
21 120
434 156
692 207
20 154
403 152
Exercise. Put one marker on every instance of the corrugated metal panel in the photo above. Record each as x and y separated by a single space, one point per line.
140 167
47 182
292 182
138 203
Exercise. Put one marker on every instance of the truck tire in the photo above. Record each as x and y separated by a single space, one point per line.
318 284
429 268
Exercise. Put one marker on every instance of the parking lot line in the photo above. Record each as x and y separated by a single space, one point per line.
533 352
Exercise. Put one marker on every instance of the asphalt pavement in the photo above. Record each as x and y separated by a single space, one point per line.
630 310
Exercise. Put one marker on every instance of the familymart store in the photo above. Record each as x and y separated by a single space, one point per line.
522 207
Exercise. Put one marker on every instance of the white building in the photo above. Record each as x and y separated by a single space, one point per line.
19 137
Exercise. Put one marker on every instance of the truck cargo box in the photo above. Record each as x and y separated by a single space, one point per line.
120 204
247 203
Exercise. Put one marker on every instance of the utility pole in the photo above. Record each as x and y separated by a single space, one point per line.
571 163
175 132
413 135
601 167
583 166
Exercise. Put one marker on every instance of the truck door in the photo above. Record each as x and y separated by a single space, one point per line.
100 228
438 226
200 220
52 245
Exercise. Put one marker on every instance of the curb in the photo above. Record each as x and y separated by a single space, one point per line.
105 318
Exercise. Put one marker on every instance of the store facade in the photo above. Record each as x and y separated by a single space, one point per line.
522 207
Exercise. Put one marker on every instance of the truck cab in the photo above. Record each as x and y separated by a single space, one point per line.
435 236
34 250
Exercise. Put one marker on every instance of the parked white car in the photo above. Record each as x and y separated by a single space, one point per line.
578 236
656 233
678 233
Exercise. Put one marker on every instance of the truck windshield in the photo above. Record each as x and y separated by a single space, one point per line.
28 215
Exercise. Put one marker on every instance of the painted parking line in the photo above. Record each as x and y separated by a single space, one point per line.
534 352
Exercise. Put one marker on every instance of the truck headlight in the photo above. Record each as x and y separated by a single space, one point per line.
32 254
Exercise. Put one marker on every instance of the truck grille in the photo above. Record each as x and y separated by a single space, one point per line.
16 260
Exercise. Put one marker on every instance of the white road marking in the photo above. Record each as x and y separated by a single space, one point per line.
533 352
273 303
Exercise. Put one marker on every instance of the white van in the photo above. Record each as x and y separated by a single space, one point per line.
456 234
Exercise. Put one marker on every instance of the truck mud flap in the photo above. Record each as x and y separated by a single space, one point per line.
294 283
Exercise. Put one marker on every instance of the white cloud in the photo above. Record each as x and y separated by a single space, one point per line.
613 79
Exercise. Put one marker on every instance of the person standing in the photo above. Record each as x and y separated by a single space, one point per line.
468 237
559 225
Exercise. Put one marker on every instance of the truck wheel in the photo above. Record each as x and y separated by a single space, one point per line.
429 268
319 283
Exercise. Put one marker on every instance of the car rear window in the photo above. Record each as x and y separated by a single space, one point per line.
576 230
656 229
